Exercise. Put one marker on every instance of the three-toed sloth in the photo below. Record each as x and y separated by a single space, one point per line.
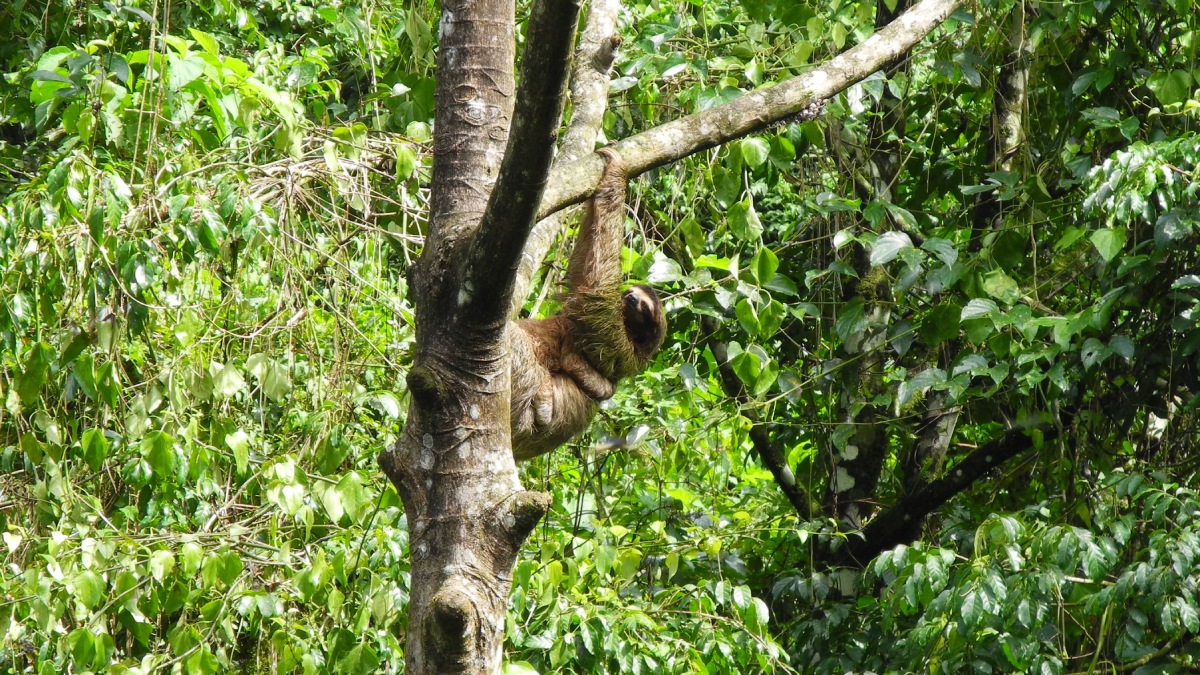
564 364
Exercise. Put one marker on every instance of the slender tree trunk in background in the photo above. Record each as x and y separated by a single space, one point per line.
1008 115
924 462
861 440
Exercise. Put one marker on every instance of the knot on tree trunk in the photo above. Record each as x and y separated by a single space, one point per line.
524 512
424 386
451 627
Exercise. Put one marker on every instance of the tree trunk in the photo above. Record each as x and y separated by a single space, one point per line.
453 465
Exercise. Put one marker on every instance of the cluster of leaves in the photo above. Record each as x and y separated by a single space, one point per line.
1109 579
190 410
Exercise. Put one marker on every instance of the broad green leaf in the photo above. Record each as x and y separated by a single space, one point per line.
181 71
159 450
747 367
161 564
763 265
605 557
354 495
33 374
944 249
888 246
207 42
1001 286
628 564
228 380
920 383
239 443
940 324
755 151
107 384
979 308
360 660
770 318
1122 346
192 554
851 319
747 316
88 588
743 221
406 161
83 645
1109 242
1170 86
94 448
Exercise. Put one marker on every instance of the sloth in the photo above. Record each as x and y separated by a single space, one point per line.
564 364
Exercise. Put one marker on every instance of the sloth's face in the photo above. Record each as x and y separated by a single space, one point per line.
644 321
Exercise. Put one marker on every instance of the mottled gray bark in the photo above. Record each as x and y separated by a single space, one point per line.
453 466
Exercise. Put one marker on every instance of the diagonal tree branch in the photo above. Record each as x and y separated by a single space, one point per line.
574 182
491 263
760 435
901 523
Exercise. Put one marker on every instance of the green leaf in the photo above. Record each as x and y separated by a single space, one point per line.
207 42
944 249
83 646
605 557
181 71
161 564
331 501
1122 346
33 374
387 402
770 318
1109 242
231 567
888 246
1170 87
354 495
228 381
360 660
979 308
106 383
1001 286
406 161
851 319
755 151
919 384
94 448
743 221
628 564
763 265
239 443
192 554
159 450
766 377
80 341
940 324
746 316
88 588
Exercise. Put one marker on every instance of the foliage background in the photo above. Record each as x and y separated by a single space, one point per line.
207 213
